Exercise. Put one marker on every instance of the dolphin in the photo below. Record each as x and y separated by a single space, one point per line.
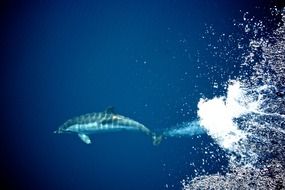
107 121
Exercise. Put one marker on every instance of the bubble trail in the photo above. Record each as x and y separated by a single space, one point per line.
185 129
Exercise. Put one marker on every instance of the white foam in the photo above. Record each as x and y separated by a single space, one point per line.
217 115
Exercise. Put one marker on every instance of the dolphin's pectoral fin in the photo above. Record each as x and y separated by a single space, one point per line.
84 138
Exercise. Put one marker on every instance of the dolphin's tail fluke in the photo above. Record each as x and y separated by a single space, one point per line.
156 139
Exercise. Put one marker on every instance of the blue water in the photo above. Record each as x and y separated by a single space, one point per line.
148 59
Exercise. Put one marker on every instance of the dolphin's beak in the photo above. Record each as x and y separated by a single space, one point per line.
57 131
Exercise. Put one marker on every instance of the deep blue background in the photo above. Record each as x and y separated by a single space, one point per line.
148 59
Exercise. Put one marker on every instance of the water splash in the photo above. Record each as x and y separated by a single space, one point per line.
249 121
216 115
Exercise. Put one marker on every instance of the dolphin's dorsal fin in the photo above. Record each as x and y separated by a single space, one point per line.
110 109
84 138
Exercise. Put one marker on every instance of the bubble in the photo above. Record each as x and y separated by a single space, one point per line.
249 121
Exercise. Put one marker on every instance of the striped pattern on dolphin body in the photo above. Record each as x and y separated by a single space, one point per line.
106 121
